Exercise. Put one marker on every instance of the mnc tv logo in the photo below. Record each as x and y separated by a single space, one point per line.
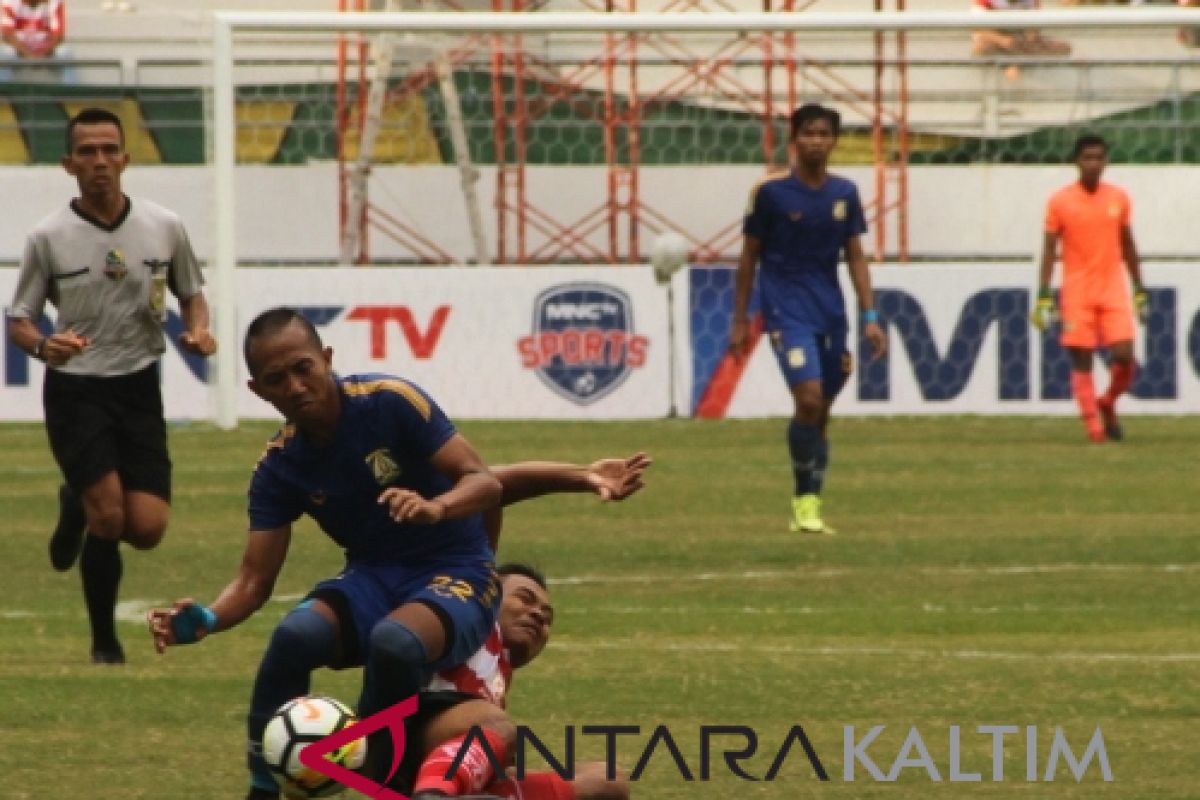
583 344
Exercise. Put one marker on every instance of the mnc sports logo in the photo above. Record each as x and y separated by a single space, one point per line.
583 345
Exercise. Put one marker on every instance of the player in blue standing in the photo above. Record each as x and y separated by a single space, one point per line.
375 462
796 228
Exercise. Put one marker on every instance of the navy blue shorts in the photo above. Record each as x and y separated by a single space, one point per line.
807 356
465 594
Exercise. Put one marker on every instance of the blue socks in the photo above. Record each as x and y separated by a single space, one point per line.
395 667
803 444
303 641
817 479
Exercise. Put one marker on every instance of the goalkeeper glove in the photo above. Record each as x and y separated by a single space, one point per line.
186 622
1141 304
1044 313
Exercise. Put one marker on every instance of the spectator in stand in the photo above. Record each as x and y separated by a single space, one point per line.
33 32
1189 37
1014 42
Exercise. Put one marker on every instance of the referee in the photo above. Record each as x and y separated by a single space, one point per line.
105 263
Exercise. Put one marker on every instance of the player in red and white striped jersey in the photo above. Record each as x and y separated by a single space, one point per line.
485 675
523 622
474 693
517 640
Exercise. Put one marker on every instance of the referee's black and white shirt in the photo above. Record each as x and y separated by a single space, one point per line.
100 278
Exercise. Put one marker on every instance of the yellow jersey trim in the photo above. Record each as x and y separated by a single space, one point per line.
758 184
277 441
405 390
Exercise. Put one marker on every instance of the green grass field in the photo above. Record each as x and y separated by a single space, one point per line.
987 572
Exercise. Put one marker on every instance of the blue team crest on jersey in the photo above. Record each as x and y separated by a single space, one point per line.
583 345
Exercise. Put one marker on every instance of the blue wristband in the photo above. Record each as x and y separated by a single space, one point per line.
869 316
188 621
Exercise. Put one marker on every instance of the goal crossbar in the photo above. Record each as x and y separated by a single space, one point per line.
717 22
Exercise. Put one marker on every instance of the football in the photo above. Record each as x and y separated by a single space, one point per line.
297 724
668 253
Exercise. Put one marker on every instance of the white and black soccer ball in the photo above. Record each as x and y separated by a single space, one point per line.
585 384
668 254
297 724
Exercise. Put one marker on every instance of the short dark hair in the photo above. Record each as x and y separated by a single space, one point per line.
93 116
271 322
1085 141
524 570
814 111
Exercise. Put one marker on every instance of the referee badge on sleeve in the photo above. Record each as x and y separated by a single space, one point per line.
839 210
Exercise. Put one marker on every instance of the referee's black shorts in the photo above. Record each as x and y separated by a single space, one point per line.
100 424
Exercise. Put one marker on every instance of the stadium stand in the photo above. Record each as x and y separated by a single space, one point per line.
150 60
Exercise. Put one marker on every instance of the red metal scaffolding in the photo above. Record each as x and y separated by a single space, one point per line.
528 232
890 204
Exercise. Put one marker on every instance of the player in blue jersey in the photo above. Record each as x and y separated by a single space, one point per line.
797 226
375 462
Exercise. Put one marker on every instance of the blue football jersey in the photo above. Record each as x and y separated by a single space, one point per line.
803 232
388 431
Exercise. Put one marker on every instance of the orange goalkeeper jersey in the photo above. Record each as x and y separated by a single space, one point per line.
1089 225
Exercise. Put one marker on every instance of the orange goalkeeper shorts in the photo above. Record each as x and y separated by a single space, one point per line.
1092 322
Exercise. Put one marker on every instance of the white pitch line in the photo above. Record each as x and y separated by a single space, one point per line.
135 610
579 580
198 469
927 608
836 572
1054 569
838 652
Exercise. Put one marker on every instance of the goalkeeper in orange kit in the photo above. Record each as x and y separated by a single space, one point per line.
1096 304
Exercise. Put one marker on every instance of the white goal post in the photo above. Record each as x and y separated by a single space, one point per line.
228 26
